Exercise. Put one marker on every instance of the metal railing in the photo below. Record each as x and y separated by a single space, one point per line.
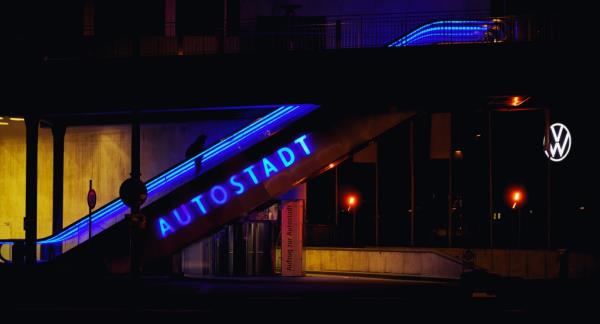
295 33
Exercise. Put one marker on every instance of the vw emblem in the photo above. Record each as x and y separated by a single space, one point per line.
559 145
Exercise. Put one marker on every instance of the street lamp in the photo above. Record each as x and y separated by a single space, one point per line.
516 199
351 203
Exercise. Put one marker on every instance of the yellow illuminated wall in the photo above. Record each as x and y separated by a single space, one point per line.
100 153
12 181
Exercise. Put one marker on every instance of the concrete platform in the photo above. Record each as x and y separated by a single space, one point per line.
278 299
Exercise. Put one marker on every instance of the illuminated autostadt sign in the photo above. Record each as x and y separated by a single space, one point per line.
559 145
236 185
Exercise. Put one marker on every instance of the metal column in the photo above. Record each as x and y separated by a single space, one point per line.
31 125
412 182
58 147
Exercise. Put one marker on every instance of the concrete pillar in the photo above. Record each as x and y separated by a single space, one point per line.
136 234
296 193
31 165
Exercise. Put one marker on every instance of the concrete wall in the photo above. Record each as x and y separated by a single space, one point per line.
12 181
423 263
446 262
100 153
530 264
389 261
97 153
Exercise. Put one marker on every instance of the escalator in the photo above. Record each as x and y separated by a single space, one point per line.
238 174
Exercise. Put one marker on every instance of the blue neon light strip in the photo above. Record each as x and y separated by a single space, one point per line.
446 31
175 176
220 147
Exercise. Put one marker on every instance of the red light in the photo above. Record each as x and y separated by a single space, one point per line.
458 154
516 101
351 201
516 197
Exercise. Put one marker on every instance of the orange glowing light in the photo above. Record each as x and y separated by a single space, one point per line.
331 165
351 201
458 154
516 197
516 101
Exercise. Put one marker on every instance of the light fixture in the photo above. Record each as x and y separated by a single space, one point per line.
517 101
516 197
351 201
458 154
510 101
17 118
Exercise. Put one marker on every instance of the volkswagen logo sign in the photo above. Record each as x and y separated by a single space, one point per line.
559 145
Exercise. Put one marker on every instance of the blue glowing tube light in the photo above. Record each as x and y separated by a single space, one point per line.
446 31
184 171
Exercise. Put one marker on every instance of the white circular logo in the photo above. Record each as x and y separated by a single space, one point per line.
559 145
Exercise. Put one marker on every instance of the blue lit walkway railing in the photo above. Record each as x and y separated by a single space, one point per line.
179 174
453 31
